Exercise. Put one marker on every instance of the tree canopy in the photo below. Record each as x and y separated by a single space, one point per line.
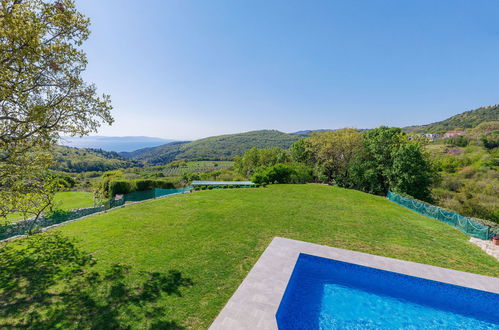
42 95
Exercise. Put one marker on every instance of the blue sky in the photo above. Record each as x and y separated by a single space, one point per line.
189 69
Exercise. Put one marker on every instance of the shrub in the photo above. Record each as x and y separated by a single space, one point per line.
448 164
491 141
302 173
119 187
128 186
141 185
62 180
458 141
468 172
279 173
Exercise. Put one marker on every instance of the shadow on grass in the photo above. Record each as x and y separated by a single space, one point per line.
47 282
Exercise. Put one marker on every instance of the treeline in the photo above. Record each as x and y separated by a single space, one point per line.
373 161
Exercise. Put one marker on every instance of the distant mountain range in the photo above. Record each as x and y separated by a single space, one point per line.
308 131
137 151
113 143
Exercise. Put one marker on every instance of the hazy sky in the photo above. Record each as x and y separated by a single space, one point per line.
188 69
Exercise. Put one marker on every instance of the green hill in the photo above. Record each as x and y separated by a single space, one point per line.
215 237
223 147
69 159
468 119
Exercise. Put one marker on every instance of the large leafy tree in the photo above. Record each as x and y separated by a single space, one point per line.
388 160
371 169
411 172
332 152
300 151
42 95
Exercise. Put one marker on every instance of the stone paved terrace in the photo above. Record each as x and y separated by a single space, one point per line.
487 246
255 302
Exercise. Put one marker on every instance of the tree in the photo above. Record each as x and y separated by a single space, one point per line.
246 164
371 168
412 172
42 95
300 151
332 153
388 160
255 158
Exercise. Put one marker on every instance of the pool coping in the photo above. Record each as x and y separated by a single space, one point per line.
256 300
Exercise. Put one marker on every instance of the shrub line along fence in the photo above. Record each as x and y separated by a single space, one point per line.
57 217
464 224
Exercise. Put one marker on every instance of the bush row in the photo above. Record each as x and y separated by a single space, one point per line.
283 173
128 186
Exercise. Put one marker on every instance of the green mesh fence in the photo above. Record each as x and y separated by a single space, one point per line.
137 196
464 224
164 192
30 225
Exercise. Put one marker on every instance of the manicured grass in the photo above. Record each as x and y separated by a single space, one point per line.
73 199
66 200
214 237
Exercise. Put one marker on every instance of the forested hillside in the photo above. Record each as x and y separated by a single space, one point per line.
223 147
227 147
77 160
468 119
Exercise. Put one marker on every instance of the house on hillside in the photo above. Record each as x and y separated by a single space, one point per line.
449 134
431 136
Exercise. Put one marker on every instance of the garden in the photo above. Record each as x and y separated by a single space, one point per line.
176 261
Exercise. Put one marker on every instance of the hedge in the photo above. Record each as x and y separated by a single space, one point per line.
127 186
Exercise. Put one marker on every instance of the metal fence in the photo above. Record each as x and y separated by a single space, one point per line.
464 224
59 216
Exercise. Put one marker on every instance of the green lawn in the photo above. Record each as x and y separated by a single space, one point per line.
214 238
66 200
73 199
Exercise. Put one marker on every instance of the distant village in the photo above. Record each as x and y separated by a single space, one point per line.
448 134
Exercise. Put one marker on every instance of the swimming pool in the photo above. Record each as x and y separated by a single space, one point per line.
329 294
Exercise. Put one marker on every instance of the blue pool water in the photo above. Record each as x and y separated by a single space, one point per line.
328 294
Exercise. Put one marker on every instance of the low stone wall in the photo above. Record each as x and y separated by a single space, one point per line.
22 228
25 226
